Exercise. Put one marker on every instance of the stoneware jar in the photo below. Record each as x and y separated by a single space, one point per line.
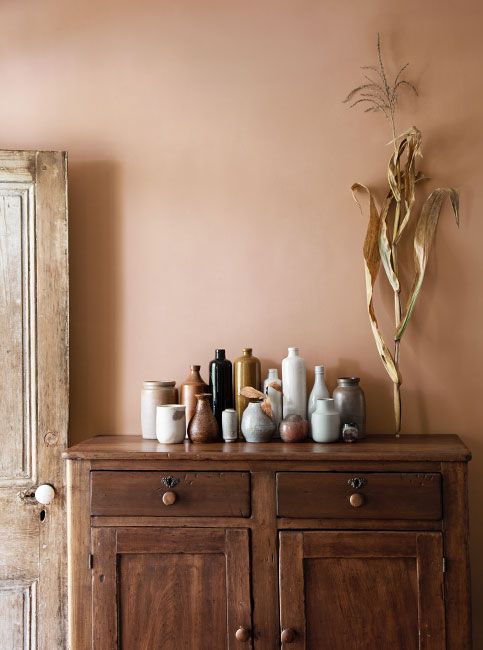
154 394
275 397
294 428
192 385
325 421
203 426
294 382
171 423
319 391
229 420
350 402
221 385
256 426
246 371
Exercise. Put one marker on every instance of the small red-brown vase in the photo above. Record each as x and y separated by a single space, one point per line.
203 426
294 428
192 385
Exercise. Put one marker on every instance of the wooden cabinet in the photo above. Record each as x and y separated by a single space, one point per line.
357 590
170 588
323 547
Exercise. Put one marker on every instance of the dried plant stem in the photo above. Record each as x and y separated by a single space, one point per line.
397 294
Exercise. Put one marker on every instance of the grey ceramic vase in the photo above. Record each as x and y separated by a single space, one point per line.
349 400
256 426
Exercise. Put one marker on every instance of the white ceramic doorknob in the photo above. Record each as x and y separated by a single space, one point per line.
45 494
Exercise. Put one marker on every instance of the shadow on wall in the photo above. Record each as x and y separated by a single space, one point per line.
94 249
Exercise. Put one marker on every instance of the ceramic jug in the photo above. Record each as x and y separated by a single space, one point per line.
294 383
246 370
325 421
203 426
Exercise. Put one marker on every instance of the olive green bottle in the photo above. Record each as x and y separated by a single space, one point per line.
247 372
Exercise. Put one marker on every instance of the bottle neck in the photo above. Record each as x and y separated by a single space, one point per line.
220 355
293 352
273 373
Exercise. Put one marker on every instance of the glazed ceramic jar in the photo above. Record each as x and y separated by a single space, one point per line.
350 402
221 385
294 428
154 394
256 426
325 421
171 423
294 382
246 371
275 397
229 420
192 385
203 426
319 391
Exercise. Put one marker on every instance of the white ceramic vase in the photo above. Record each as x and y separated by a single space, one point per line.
171 423
256 426
325 421
319 391
229 425
154 394
294 382
275 397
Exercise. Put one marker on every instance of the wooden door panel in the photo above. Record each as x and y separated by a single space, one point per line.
366 591
33 396
167 588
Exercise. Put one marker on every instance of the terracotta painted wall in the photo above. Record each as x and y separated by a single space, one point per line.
210 165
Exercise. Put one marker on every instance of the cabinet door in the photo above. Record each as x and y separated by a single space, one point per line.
171 588
363 591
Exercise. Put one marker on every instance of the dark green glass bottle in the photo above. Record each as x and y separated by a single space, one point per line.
221 384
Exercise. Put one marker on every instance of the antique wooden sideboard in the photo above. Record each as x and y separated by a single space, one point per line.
327 547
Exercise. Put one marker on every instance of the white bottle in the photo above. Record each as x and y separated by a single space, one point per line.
275 397
325 421
294 382
319 391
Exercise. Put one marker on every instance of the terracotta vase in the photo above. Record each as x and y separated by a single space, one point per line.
203 426
247 372
294 428
192 386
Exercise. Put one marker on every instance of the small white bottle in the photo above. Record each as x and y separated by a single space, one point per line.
275 397
294 383
319 391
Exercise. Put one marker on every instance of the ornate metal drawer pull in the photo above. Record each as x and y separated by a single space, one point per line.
170 481
357 482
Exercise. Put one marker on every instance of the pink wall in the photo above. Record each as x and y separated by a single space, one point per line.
210 165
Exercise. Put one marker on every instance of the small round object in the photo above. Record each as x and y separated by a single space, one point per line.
45 494
242 634
169 498
288 635
357 500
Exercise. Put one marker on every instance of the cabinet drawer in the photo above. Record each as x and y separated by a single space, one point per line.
358 496
192 494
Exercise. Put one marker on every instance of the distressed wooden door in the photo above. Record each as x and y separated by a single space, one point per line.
167 588
362 590
33 397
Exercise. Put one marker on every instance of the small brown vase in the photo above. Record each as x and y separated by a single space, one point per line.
192 386
203 426
294 428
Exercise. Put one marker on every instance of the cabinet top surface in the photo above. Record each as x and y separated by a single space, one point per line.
373 448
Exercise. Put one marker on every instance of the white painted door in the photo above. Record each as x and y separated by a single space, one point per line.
33 397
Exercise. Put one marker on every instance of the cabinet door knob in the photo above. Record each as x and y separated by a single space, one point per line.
357 500
169 498
45 494
242 634
288 635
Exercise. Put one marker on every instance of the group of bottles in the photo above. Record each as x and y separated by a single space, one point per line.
247 372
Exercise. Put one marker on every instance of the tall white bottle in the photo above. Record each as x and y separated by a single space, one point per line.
275 397
294 382
319 391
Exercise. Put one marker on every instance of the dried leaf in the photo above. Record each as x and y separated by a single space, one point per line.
423 240
275 386
372 262
252 393
267 408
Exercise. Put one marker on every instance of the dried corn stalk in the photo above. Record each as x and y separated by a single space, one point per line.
387 225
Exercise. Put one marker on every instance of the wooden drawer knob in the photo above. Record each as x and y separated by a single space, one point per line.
169 498
357 500
242 634
288 635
